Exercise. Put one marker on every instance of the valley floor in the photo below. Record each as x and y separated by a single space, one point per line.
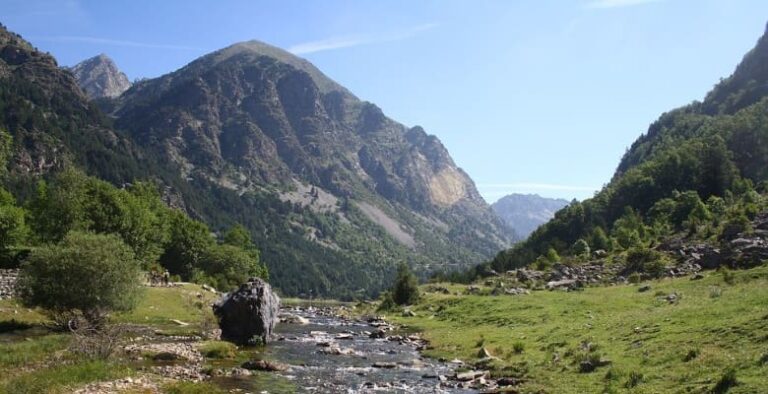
165 350
678 335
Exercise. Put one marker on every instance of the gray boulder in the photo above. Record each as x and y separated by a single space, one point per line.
248 313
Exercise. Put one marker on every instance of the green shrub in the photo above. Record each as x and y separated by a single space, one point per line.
406 289
581 248
218 349
89 274
734 226
634 278
518 347
726 382
645 260
692 354
635 378
728 276
387 303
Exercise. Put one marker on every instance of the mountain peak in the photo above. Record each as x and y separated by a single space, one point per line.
255 48
99 77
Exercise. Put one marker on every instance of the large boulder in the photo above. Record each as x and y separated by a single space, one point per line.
248 313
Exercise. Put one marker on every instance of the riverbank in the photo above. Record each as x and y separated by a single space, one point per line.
679 335
169 345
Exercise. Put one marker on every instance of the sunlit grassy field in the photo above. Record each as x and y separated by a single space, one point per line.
35 359
651 344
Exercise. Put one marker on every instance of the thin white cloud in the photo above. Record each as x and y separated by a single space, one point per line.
618 3
329 44
107 41
536 186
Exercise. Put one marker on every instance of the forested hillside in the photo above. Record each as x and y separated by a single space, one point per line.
696 175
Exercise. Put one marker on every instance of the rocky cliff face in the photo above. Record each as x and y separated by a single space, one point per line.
99 77
524 213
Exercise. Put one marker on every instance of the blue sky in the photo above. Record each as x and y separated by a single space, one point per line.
528 96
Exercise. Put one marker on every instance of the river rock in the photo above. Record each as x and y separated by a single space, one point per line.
470 375
247 313
293 319
263 365
378 334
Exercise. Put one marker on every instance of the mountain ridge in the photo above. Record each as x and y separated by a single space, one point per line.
526 212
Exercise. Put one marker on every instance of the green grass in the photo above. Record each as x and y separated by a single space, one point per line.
218 350
17 354
62 378
35 360
192 388
161 304
12 310
646 339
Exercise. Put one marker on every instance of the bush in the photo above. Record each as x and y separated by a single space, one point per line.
518 347
87 274
581 248
387 303
735 226
634 278
635 378
726 382
692 354
644 260
218 349
728 276
406 289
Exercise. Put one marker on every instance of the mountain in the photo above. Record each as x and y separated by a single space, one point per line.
696 176
525 212
263 124
99 77
52 122
334 193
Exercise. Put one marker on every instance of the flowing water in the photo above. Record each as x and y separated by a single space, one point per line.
315 371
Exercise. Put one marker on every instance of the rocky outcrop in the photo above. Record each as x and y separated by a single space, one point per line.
99 77
8 279
248 314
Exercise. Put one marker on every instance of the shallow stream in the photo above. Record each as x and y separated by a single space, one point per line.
315 370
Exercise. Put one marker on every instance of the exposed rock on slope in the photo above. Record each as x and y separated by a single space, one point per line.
253 119
51 121
99 77
525 212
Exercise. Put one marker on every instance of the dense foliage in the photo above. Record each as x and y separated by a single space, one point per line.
158 236
406 288
697 173
91 274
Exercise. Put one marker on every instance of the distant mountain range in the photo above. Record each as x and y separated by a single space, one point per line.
526 212
335 193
